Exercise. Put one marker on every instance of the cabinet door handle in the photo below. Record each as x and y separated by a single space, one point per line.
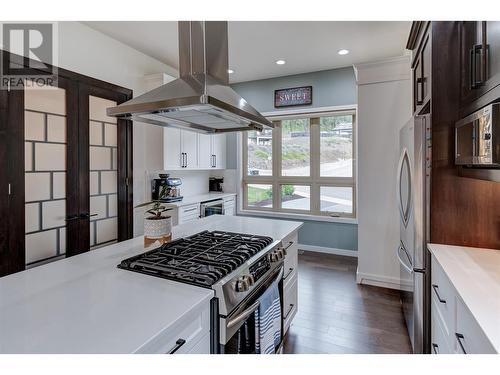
72 217
435 287
182 160
289 311
460 337
190 209
484 52
177 346
435 348
289 273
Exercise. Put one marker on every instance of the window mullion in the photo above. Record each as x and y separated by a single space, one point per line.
276 164
315 165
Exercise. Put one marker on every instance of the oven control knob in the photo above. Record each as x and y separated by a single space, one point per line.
241 285
250 280
273 257
281 253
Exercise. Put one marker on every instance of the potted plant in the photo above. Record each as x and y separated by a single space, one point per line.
157 226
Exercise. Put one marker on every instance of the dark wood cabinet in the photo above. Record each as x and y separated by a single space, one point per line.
479 62
450 90
421 69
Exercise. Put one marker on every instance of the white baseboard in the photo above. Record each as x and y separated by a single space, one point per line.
328 250
377 280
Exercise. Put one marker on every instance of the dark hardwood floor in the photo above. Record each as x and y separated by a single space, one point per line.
336 315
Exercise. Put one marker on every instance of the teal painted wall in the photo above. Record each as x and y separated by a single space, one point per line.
330 88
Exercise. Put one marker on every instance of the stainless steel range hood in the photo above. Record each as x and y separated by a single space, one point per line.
201 99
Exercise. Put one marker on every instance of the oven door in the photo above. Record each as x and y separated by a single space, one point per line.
237 331
212 208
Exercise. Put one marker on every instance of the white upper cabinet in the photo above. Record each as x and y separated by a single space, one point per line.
205 151
189 146
172 157
189 150
219 150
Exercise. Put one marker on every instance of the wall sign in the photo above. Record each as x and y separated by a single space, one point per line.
293 96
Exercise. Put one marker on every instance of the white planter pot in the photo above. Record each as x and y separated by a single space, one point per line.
157 228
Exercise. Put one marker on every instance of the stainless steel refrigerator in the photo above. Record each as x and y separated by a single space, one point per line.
413 187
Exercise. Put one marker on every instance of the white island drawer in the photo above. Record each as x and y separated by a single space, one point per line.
183 336
469 337
290 243
440 343
290 302
443 294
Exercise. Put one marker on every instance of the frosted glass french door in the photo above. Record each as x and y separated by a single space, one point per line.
47 128
103 178
105 165
74 181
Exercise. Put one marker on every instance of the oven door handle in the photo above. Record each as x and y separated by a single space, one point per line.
244 315
247 312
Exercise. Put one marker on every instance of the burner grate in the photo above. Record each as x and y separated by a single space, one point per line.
201 259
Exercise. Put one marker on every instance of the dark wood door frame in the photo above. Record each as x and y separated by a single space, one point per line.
12 244
124 183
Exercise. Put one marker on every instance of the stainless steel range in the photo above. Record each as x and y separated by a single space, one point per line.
238 267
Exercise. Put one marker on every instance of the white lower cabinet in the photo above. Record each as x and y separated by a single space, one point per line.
191 334
453 327
188 213
469 337
290 280
202 347
230 205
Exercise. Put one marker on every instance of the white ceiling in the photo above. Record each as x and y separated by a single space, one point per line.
254 47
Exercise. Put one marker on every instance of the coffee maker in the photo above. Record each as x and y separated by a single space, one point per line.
172 190
216 184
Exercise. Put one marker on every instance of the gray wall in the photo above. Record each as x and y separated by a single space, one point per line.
330 88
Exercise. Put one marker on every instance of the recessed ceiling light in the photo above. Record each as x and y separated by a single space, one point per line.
280 62
230 71
343 51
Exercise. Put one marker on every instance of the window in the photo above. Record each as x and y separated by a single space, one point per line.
305 165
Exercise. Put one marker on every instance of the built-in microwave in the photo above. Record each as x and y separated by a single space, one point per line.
477 138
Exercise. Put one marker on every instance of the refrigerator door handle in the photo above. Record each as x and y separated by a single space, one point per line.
404 207
398 254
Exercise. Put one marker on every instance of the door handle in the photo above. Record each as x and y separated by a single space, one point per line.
87 216
177 346
72 217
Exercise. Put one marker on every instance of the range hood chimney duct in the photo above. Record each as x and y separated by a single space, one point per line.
200 99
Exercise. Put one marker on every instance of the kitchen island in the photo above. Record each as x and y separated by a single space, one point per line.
85 304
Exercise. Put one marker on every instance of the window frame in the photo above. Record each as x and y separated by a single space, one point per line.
314 180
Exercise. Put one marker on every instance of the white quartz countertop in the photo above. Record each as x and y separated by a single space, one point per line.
85 304
190 199
475 274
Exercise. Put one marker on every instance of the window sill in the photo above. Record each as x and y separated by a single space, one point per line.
305 217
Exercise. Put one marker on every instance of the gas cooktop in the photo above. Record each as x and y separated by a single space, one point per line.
201 259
